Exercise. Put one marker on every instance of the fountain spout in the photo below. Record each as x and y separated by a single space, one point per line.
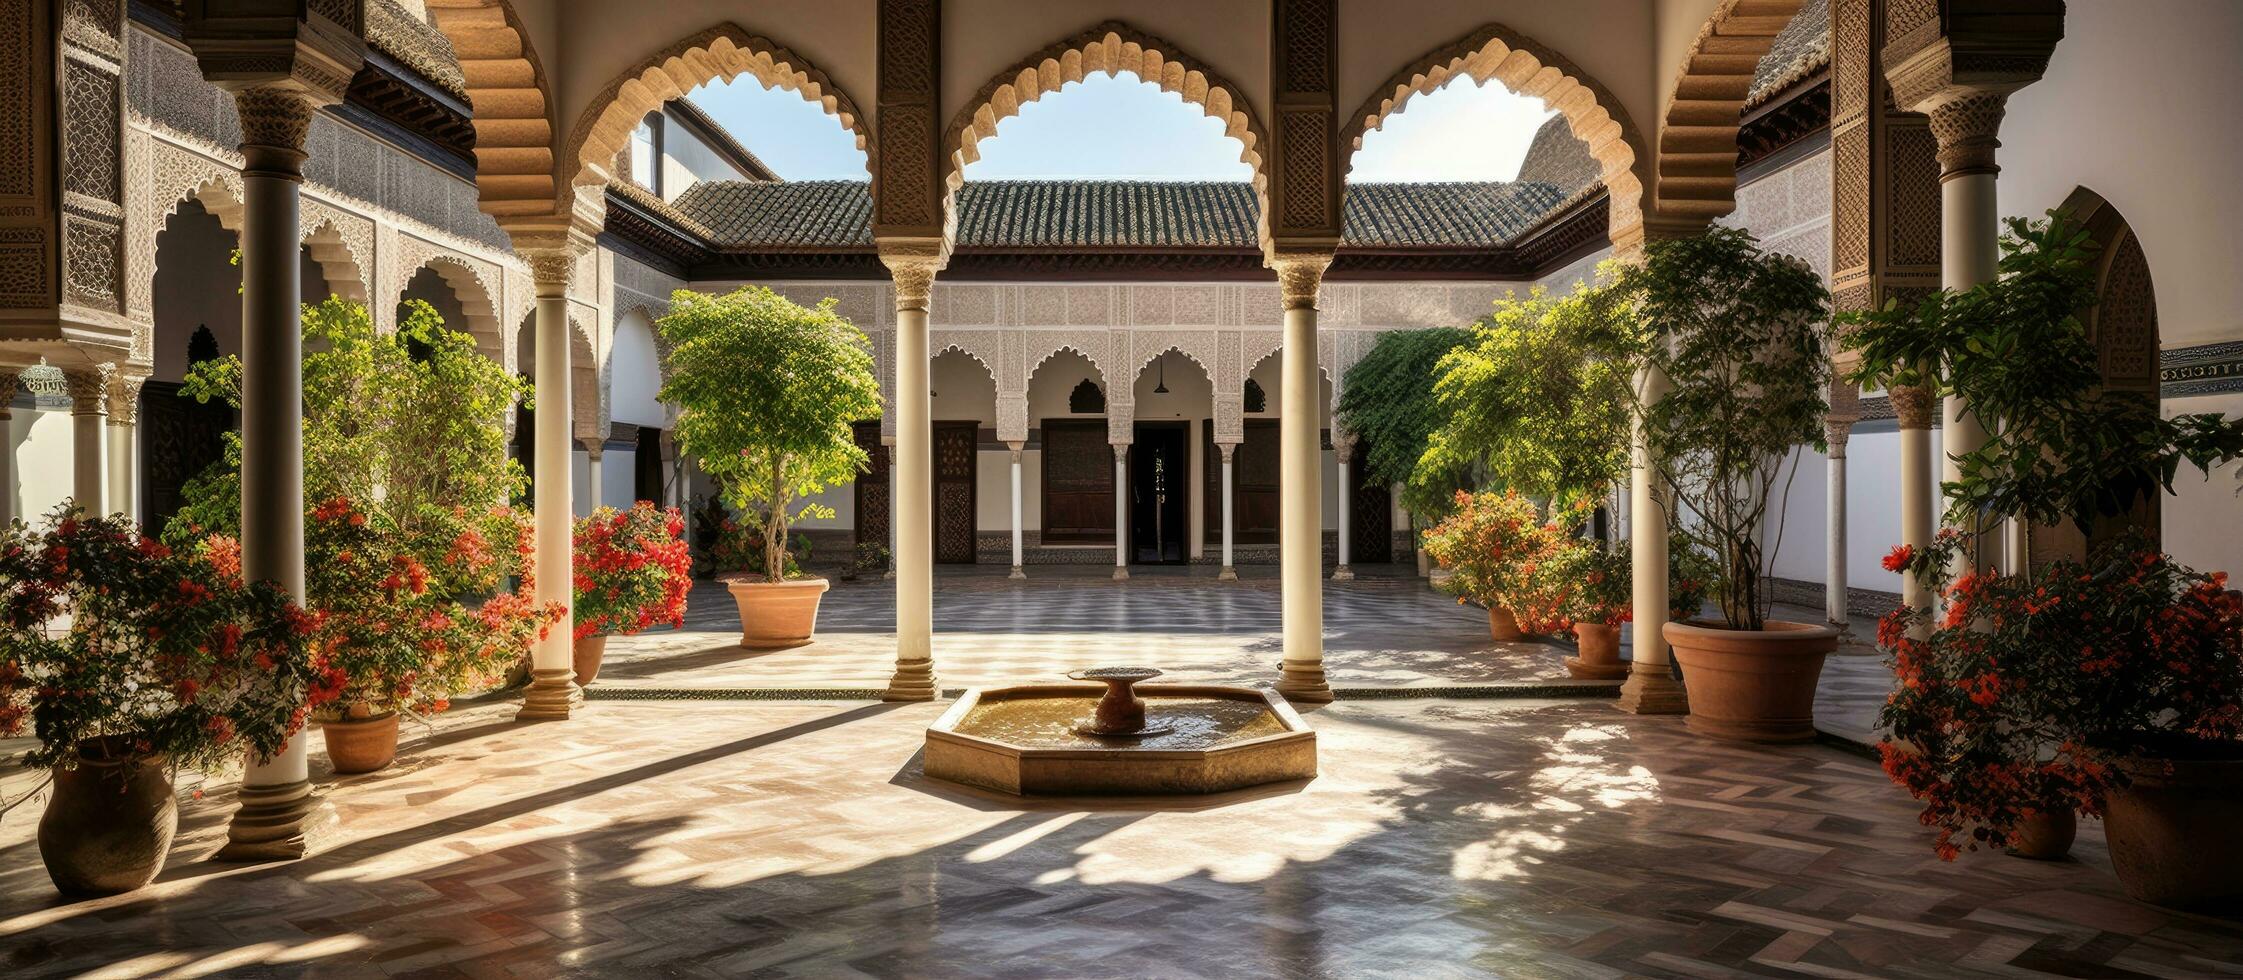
1120 713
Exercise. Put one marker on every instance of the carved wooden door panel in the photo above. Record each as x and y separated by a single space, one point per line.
1254 475
179 438
955 446
1078 482
872 486
1371 516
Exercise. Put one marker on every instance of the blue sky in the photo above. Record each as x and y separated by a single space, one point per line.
1117 127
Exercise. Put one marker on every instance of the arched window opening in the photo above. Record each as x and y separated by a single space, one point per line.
1086 399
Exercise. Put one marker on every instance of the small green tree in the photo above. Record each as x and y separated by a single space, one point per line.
1539 397
1388 401
768 391
1742 336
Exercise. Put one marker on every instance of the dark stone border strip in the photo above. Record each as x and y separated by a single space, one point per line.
1448 691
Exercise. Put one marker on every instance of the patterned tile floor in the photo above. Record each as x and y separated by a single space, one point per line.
1443 839
1386 629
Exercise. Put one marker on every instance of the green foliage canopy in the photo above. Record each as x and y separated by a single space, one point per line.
769 391
1539 396
1388 401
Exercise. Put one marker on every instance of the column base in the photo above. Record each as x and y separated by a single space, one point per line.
1121 574
888 576
914 680
1228 574
278 823
1343 574
1303 683
552 694
1017 573
1653 692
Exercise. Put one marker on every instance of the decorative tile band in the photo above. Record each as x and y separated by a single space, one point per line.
2206 369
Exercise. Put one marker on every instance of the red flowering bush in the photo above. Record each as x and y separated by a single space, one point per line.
632 570
2021 695
110 640
1496 544
1590 581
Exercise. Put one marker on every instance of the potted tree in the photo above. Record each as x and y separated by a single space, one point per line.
409 539
2111 682
169 660
1494 545
1595 586
1740 334
632 572
768 391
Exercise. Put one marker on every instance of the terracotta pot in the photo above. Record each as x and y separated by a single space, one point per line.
1752 685
358 745
2046 835
2172 833
588 652
774 615
1503 626
1599 659
109 823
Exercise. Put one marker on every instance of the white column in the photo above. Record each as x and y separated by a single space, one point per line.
1300 504
1834 569
1121 511
89 438
1343 450
279 817
553 692
1230 571
593 450
124 414
1650 687
8 488
1016 530
1970 251
911 470
1913 407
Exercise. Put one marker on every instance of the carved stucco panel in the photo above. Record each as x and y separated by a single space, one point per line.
1093 306
356 233
1145 345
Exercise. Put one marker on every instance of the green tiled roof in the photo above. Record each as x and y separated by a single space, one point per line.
1033 214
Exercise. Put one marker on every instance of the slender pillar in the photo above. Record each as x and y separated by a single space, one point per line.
1016 551
1913 406
1121 512
8 379
89 438
888 445
1834 569
1230 571
279 817
1343 450
911 472
593 450
1651 688
1300 507
1970 250
124 414
553 692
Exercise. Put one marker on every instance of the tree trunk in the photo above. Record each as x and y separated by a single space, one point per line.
775 528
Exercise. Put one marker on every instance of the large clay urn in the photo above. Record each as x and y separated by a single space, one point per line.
2172 832
110 821
775 615
2046 835
1599 656
361 741
588 652
1752 685
1503 626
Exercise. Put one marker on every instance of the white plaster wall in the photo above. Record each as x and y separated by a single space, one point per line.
1873 505
40 442
1798 536
686 160
634 373
2202 523
195 286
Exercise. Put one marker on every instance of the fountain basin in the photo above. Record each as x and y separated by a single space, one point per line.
1024 741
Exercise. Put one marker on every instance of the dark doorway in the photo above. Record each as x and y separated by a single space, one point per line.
179 438
872 487
1253 485
646 469
1159 475
1371 515
956 444
1078 482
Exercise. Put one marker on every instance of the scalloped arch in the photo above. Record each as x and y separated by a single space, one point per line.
1531 68
961 347
720 53
513 110
1057 349
339 263
478 300
1111 48
1197 361
1697 172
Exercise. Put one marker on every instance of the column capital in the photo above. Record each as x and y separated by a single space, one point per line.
1121 452
551 270
1836 431
1299 275
89 388
1226 449
1015 449
912 263
1343 445
9 377
1966 123
593 445
124 398
1914 405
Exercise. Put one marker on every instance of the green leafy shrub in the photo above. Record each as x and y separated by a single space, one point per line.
1388 402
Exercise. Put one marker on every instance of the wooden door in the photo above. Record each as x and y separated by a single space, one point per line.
179 438
1078 482
956 444
647 472
1254 478
872 487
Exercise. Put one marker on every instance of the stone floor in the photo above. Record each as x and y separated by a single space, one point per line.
1443 839
1386 629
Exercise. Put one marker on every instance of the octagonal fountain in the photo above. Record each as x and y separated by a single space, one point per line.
1120 739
